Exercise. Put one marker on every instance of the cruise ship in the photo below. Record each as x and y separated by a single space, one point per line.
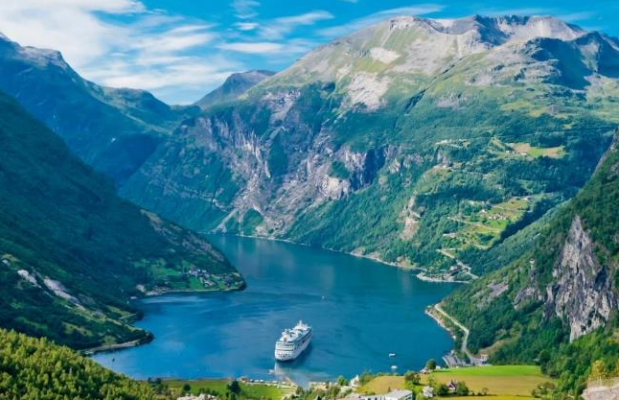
293 342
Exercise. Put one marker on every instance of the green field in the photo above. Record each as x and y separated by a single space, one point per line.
535 152
219 387
501 382
383 384
513 380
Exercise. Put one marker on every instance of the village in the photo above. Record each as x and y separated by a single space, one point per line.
431 382
208 280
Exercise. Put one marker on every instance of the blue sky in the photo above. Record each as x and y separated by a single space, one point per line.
181 49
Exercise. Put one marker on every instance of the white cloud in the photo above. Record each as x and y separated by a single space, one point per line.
245 9
120 43
253 47
516 11
246 26
280 27
355 25
173 40
290 48
578 16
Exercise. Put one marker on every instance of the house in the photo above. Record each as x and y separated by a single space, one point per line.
427 392
393 395
355 382
452 385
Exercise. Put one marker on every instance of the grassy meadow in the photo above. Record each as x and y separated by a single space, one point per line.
502 382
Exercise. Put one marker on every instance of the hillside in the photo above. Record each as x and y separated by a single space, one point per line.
114 130
72 253
235 86
37 369
420 142
557 304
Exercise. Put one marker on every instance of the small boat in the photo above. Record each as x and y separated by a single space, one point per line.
391 355
394 367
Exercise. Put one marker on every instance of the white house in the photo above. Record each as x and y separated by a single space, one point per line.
427 392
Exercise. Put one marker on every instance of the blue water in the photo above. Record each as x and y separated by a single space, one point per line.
360 311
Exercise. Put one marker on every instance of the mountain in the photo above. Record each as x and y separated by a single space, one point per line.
114 130
37 369
557 304
72 253
235 86
415 141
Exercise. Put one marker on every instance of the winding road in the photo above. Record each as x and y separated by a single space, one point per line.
465 340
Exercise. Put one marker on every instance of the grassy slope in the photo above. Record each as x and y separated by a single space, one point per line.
59 219
526 335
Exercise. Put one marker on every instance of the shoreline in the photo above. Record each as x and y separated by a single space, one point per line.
429 312
110 348
421 275
148 336
474 360
192 291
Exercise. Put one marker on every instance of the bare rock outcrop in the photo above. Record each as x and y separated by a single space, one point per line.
583 293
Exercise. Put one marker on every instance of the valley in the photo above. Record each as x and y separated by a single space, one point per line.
476 156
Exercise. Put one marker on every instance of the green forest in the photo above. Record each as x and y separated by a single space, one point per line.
37 369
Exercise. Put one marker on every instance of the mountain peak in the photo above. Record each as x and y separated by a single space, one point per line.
493 28
34 55
234 86
406 45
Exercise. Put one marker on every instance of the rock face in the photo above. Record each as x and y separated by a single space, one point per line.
407 108
595 392
582 292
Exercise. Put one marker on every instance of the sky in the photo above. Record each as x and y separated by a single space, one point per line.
181 49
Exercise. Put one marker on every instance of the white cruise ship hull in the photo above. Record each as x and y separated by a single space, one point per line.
292 354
